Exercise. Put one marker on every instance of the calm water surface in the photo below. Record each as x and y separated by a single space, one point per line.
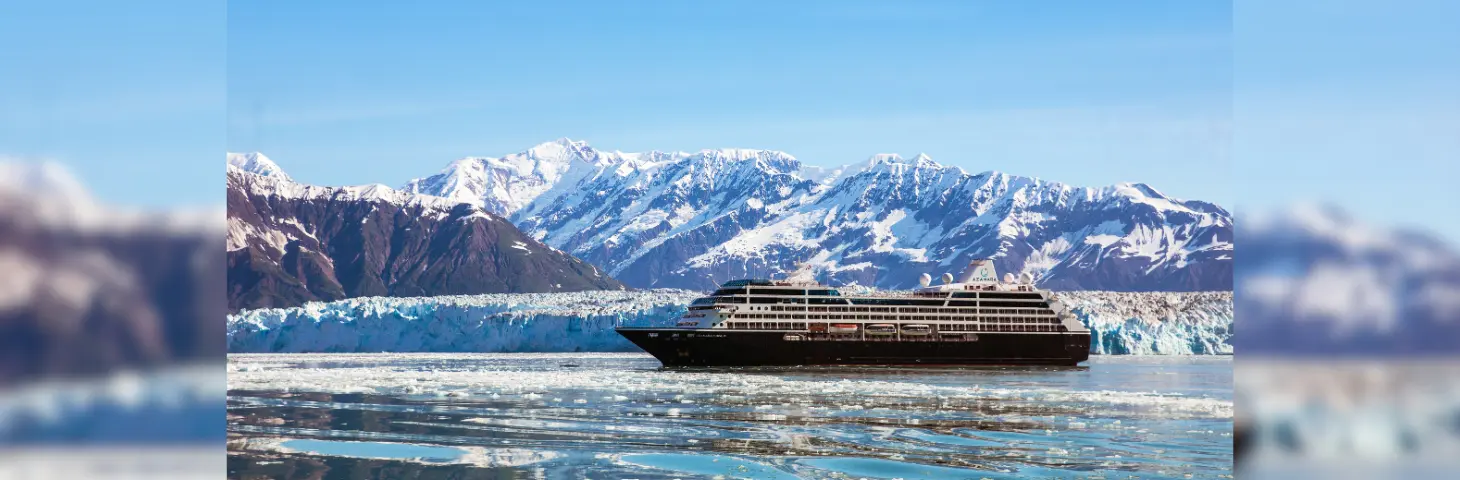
621 416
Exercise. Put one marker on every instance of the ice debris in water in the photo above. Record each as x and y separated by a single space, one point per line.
1120 322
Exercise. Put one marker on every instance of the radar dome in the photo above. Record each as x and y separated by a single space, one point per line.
947 278
1009 277
925 279
1026 278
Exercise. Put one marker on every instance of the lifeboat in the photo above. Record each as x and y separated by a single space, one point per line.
916 329
842 328
881 329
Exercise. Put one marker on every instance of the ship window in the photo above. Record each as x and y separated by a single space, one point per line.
827 293
703 301
1013 295
730 291
1014 304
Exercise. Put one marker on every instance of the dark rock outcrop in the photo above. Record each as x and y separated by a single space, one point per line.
290 243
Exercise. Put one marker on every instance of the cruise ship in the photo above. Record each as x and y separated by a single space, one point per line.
977 320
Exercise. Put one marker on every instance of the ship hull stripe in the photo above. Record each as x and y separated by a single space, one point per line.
677 347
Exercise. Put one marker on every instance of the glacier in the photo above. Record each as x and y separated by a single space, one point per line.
1154 323
512 322
1144 323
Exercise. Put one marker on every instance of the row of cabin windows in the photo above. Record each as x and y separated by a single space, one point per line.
946 327
893 318
1042 327
815 292
872 301
766 326
964 311
826 292
1001 295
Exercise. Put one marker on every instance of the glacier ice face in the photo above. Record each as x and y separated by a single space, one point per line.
1120 322
1154 323
529 322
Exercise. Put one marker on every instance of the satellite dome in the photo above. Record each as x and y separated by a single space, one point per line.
947 278
1026 278
925 279
1009 277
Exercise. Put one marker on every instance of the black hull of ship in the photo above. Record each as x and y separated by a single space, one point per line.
703 348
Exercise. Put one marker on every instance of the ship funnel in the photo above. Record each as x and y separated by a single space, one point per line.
925 280
947 278
981 270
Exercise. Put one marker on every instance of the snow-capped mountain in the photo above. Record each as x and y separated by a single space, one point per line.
256 163
691 220
289 243
88 288
1312 280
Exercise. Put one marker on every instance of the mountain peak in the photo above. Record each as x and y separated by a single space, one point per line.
561 151
568 142
898 164
257 164
1139 190
738 154
882 158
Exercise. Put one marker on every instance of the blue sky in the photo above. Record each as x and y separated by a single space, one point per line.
1255 105
130 95
341 93
1355 103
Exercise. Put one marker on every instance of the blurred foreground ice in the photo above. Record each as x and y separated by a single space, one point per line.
1351 349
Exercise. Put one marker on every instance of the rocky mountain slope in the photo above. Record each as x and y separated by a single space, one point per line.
290 243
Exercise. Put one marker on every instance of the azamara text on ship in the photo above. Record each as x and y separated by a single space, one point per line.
978 320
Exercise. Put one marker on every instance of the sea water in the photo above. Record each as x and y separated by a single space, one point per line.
622 416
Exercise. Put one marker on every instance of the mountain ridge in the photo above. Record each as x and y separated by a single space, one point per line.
684 220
